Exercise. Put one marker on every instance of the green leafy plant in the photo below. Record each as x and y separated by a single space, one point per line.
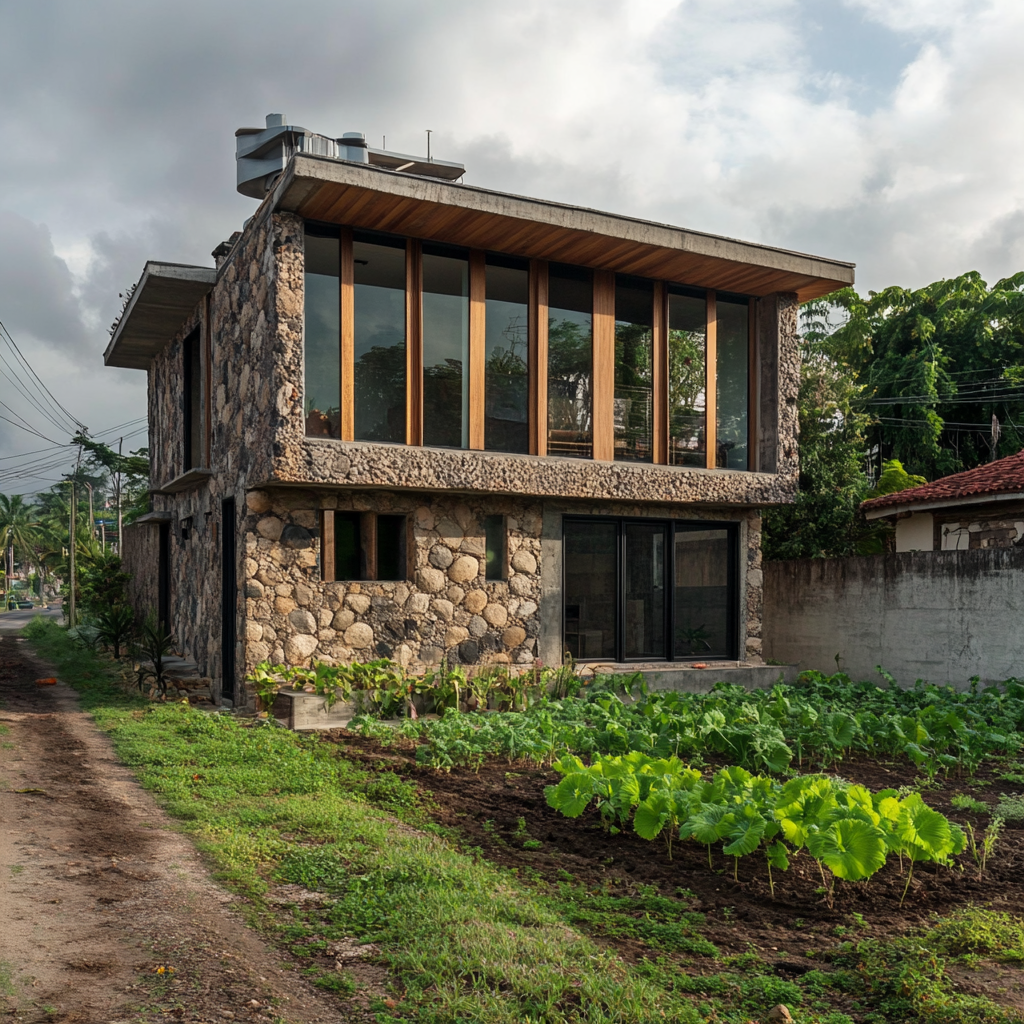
965 802
151 648
116 628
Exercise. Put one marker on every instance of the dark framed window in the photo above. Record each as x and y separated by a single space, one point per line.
570 361
649 589
192 376
634 369
494 537
364 546
322 326
506 331
687 380
733 381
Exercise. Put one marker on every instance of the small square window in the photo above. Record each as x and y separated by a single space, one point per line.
494 532
364 546
347 547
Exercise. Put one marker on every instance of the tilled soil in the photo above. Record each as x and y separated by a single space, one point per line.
491 807
98 892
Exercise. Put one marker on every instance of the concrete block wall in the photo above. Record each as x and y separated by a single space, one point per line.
942 616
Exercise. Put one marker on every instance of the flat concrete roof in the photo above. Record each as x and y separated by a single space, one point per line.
362 196
163 298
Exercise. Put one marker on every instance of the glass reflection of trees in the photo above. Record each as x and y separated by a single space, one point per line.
569 388
687 329
634 369
506 412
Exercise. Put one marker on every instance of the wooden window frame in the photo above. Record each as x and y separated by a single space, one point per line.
347 341
602 413
367 547
537 349
477 348
603 360
711 382
413 343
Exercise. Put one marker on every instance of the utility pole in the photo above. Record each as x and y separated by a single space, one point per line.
71 556
92 517
120 549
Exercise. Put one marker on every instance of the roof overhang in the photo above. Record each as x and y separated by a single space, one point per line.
931 506
361 196
165 295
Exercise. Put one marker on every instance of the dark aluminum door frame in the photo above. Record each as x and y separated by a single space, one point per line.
672 527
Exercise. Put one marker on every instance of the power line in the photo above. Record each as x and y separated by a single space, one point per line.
37 380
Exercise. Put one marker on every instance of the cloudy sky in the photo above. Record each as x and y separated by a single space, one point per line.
888 132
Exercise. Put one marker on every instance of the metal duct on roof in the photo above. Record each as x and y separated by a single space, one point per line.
261 154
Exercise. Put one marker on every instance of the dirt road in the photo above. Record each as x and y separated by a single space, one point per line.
97 893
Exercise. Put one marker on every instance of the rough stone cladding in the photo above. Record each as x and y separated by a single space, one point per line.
446 608
243 326
788 429
139 559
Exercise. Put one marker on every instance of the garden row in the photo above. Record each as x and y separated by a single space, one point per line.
844 827
539 714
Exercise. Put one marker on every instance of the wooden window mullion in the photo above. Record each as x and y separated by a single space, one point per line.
348 331
368 543
477 348
711 383
413 343
327 545
537 347
603 370
753 387
659 374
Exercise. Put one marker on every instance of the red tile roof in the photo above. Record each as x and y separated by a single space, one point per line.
1000 477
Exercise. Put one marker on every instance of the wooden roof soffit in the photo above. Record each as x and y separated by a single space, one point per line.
368 197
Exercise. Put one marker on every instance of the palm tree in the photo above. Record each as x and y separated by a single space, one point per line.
19 529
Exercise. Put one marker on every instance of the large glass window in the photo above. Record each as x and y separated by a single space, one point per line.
570 361
634 368
445 347
506 424
379 320
733 356
591 588
703 602
649 590
644 572
195 433
322 341
687 339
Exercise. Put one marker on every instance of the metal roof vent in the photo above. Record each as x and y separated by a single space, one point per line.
261 154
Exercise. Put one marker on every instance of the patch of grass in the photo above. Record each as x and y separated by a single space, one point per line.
463 940
6 979
976 932
16 869
1010 806
965 802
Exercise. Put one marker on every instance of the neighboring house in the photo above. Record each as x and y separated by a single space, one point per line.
979 508
412 418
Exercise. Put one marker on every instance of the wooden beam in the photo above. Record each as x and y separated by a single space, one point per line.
348 338
753 388
327 545
537 347
659 368
711 383
413 343
603 380
477 348
368 542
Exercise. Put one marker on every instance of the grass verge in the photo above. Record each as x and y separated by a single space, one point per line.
462 940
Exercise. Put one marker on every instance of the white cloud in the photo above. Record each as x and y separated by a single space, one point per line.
890 132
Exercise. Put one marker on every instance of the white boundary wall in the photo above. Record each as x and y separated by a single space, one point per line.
943 616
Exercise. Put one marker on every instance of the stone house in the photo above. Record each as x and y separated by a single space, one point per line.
979 508
412 418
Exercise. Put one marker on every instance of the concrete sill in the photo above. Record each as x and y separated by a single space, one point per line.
186 482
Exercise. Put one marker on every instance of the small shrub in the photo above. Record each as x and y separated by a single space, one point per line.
964 802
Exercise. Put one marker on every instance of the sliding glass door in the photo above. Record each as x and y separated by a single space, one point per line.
649 590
